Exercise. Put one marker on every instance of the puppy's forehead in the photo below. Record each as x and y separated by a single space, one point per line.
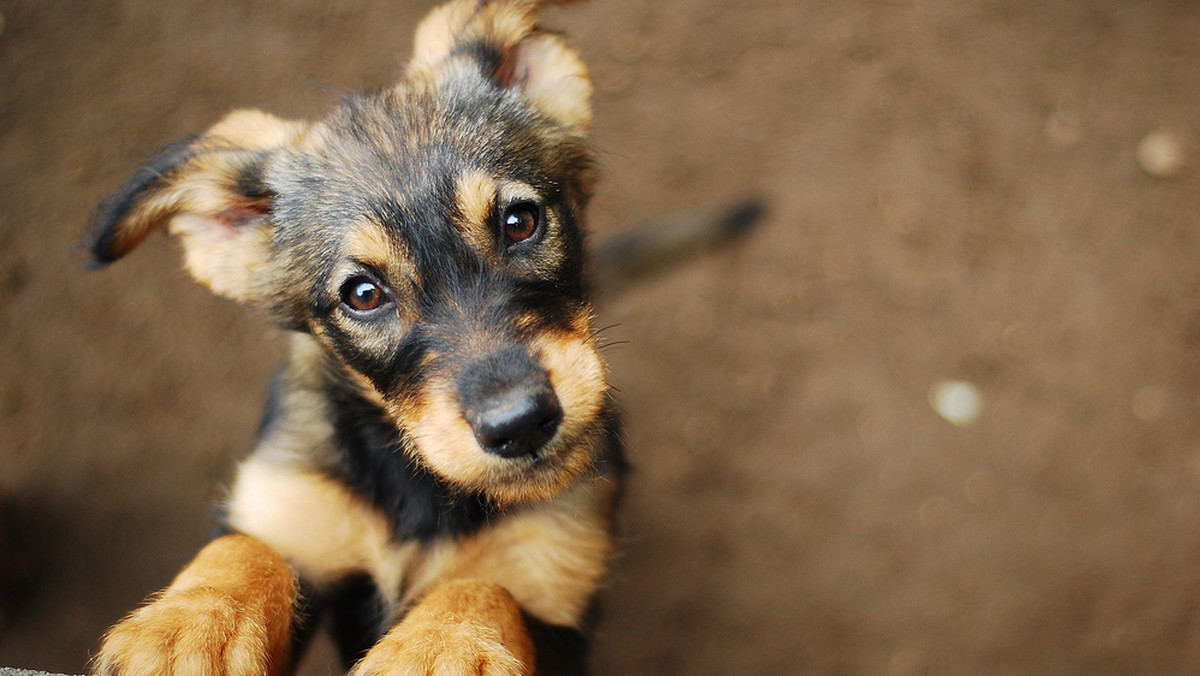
394 155
388 154
424 133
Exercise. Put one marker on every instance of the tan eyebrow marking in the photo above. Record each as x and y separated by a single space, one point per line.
370 245
475 196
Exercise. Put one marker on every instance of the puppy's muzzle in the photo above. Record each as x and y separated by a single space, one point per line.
508 401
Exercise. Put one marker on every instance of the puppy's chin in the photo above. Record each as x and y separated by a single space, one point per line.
443 442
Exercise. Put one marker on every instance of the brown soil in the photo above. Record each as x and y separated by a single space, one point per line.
954 195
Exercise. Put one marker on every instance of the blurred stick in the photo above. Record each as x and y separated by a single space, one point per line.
630 256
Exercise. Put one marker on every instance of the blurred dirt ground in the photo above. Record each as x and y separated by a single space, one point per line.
954 193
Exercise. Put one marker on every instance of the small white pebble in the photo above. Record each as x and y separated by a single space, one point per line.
1160 154
957 401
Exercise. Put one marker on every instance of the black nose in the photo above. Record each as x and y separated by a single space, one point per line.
517 422
509 403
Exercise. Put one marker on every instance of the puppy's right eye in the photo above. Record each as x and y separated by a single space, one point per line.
521 224
362 294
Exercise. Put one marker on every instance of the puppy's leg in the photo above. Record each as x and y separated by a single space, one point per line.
229 612
460 627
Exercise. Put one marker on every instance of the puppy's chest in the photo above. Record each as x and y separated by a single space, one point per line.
549 555
324 528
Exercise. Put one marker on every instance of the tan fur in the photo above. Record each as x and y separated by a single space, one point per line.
318 524
200 190
560 86
226 257
255 130
551 557
477 197
227 260
460 627
552 77
369 243
462 21
511 191
445 441
476 201
577 375
228 612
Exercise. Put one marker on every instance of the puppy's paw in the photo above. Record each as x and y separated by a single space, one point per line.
198 631
466 627
450 648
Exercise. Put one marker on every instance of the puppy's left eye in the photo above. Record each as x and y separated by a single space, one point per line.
362 295
522 222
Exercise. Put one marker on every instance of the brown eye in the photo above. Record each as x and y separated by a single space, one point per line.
362 294
521 222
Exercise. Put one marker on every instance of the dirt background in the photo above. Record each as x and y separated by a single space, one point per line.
954 194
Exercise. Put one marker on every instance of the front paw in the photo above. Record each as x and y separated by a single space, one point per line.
449 649
463 627
198 631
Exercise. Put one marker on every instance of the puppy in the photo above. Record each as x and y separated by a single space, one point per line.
435 475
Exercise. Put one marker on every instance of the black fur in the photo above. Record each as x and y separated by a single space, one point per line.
358 617
373 462
102 229
251 180
561 651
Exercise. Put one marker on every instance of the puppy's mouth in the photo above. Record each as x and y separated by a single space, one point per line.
529 466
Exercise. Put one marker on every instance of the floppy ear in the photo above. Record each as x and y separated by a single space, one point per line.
503 37
211 192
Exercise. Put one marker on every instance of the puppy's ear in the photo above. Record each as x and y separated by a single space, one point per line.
502 36
211 192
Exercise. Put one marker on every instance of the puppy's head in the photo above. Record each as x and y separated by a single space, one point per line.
426 235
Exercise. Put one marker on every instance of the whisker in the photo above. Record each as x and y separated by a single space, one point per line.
597 332
607 344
